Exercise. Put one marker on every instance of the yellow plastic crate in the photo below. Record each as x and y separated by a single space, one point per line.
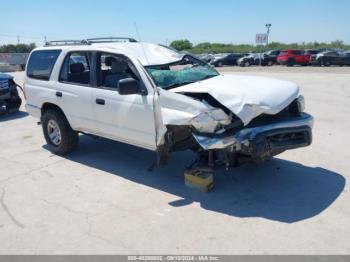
200 178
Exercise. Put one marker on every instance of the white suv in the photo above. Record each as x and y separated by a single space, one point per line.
153 97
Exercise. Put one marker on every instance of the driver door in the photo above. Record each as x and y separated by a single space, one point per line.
125 118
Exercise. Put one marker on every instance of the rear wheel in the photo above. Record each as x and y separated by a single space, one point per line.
220 64
60 137
247 63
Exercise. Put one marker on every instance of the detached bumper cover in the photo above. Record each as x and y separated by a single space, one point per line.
290 133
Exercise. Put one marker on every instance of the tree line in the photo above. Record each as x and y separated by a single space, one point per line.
207 47
18 48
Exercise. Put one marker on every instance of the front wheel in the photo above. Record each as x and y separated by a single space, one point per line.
60 137
290 62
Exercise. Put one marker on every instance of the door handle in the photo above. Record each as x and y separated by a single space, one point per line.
59 94
100 101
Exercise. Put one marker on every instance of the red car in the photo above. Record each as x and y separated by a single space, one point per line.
293 57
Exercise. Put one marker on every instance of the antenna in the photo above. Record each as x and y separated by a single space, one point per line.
140 40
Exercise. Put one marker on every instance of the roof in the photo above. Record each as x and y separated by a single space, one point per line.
148 54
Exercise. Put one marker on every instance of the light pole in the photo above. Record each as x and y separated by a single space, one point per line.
268 26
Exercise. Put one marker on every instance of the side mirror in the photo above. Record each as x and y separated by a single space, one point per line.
129 86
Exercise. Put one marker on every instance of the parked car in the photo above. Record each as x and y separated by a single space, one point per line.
155 98
329 58
293 57
247 60
225 59
265 59
268 58
10 101
206 57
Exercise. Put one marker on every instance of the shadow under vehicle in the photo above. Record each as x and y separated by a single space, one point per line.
279 190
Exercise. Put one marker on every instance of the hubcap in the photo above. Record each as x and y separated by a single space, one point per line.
54 132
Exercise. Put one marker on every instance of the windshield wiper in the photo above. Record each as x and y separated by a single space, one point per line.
178 84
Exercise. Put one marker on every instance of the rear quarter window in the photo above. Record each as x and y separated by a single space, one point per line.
41 63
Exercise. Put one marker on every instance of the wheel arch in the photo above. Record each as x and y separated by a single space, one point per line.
51 106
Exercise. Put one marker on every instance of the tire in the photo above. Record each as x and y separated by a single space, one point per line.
246 64
66 139
290 62
269 63
220 64
326 62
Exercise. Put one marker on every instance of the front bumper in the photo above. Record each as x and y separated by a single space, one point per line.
282 62
290 133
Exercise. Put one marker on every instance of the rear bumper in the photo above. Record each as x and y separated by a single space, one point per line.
271 139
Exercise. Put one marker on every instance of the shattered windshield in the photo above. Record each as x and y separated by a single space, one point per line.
188 70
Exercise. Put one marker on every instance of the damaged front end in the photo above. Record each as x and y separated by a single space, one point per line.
265 137
260 142
225 118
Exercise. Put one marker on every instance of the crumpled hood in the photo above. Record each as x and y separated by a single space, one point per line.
246 96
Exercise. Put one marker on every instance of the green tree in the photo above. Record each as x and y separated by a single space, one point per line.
18 48
181 45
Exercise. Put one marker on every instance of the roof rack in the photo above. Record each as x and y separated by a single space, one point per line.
66 42
90 41
110 40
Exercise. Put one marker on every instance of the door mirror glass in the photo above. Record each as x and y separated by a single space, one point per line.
129 86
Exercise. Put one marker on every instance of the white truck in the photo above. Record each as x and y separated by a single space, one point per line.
155 98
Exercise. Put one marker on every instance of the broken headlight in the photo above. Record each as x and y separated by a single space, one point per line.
211 121
301 103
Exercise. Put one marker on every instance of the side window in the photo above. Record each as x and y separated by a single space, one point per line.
76 68
112 69
331 54
41 63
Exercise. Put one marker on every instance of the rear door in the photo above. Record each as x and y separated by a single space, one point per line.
342 59
74 90
126 118
299 58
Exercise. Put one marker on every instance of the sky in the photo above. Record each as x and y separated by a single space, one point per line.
162 21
